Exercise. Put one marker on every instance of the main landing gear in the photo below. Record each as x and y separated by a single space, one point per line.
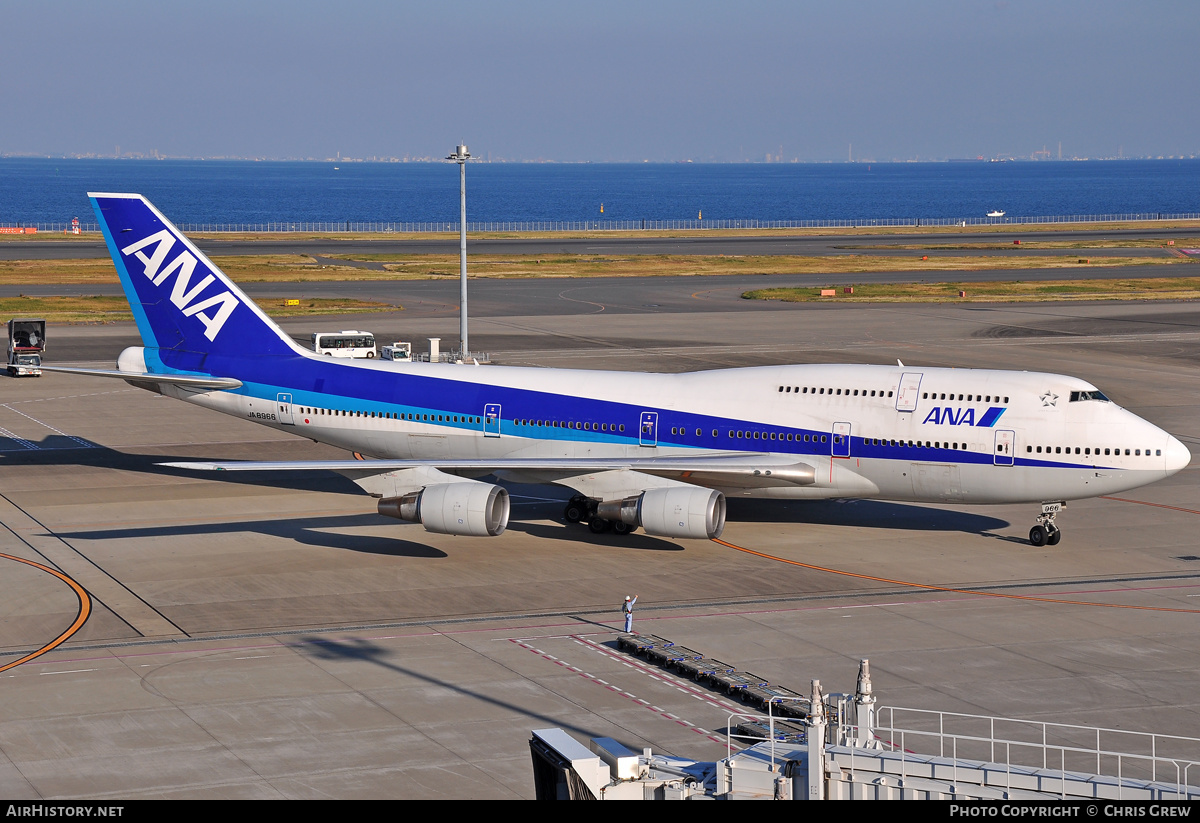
580 509
1046 533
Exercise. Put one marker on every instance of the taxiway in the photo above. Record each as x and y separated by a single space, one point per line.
273 637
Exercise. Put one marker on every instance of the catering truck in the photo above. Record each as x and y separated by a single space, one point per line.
26 342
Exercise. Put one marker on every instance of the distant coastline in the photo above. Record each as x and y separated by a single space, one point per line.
211 191
142 156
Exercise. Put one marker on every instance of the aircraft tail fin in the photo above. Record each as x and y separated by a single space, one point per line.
181 301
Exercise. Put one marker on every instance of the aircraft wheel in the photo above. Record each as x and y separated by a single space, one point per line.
599 525
622 528
1038 536
1054 537
573 513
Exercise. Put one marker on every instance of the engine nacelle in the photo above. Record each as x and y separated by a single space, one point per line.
672 512
467 508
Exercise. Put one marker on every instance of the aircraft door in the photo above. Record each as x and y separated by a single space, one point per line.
1005 447
909 393
284 405
841 440
648 429
491 420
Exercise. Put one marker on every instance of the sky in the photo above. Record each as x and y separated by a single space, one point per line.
603 82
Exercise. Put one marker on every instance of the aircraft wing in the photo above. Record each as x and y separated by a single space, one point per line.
185 380
757 468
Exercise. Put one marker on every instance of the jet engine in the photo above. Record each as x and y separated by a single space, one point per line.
678 511
467 508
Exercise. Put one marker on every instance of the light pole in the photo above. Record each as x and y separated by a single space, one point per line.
461 156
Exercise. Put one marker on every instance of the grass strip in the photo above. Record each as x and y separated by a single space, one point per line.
95 308
1181 288
300 268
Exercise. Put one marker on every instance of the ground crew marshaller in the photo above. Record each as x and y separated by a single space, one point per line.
627 608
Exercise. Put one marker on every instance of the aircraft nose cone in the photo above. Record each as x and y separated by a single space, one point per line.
1176 455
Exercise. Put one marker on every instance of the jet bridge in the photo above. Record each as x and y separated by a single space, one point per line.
843 747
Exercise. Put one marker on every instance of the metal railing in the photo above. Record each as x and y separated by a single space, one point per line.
1161 759
454 356
558 226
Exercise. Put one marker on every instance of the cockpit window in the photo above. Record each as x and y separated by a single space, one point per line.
1094 394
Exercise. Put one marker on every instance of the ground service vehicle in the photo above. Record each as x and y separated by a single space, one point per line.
398 352
26 342
344 343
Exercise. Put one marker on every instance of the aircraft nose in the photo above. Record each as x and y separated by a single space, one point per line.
1176 455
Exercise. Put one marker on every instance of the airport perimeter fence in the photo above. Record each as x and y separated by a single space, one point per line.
552 226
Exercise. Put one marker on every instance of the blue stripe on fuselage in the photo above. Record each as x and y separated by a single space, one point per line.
332 384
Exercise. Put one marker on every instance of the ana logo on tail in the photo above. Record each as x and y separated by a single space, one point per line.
183 294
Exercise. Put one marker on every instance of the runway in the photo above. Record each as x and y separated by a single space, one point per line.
273 637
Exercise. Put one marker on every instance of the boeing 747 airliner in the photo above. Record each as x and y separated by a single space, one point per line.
654 451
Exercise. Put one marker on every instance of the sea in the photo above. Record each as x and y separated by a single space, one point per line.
40 190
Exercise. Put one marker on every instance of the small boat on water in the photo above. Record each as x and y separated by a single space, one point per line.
995 213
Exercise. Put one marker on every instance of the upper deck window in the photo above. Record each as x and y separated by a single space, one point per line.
1094 394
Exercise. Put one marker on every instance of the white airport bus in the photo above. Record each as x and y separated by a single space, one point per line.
344 343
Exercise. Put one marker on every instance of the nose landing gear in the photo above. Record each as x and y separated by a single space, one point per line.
1046 533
